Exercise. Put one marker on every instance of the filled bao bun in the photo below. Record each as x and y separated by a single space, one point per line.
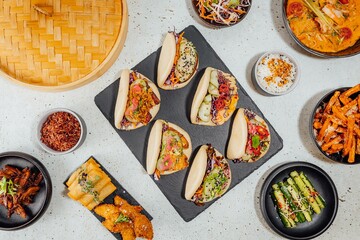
127 115
178 62
250 137
201 188
215 98
169 149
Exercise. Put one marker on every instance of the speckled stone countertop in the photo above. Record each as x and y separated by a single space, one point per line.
235 216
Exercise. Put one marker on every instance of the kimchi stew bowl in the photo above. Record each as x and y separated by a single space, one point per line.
347 52
60 131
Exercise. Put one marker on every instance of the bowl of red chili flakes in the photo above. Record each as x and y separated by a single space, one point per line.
60 131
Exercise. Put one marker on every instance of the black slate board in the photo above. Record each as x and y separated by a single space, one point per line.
120 191
175 108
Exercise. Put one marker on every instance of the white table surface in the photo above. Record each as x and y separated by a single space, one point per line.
235 216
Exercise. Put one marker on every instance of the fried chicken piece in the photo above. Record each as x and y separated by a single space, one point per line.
27 195
108 211
126 229
126 208
111 213
138 226
143 227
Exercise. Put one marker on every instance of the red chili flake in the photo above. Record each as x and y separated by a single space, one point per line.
61 131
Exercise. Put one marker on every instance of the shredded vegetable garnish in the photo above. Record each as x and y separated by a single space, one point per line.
225 12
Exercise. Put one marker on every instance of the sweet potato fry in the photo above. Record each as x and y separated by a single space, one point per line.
341 130
337 147
344 97
331 151
332 102
357 146
348 106
357 130
337 121
351 158
329 136
339 114
317 124
349 136
327 145
337 103
321 134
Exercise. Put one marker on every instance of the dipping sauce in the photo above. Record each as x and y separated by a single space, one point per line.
61 131
276 73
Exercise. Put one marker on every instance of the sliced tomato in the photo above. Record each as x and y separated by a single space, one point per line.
262 131
249 149
251 128
295 9
223 88
136 89
256 151
219 104
345 33
344 1
135 103
165 164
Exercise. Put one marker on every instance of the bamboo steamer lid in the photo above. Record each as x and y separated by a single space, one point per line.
56 45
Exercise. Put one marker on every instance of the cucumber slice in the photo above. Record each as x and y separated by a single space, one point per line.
319 199
305 191
299 215
282 207
299 202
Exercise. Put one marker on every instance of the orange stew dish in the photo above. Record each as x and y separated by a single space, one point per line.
325 25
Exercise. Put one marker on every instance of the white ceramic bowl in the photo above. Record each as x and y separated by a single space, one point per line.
262 88
42 121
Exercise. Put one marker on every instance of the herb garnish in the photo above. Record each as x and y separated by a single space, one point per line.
7 187
255 141
122 218
87 186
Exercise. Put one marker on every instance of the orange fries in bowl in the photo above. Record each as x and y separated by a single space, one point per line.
335 125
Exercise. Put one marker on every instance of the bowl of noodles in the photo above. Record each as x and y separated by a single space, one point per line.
325 28
222 13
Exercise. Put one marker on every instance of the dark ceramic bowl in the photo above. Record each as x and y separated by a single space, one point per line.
350 51
41 200
337 157
219 25
323 184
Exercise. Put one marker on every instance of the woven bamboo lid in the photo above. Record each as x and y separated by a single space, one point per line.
56 45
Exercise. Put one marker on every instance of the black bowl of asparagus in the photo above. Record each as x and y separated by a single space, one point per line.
299 200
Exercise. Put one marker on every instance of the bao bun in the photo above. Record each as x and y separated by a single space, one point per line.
122 98
197 173
154 145
200 94
239 136
166 63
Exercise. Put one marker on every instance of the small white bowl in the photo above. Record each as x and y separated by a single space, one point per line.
42 121
267 91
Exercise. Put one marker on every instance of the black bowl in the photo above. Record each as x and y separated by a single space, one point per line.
323 184
219 25
348 52
41 200
337 157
